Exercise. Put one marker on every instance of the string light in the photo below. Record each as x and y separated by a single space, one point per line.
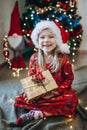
70 16
24 24
66 2
73 53
28 35
53 16
73 40
71 10
57 5
73 60
71 127
74 44
16 71
74 48
85 108
70 116
26 18
14 74
70 23
80 35
77 36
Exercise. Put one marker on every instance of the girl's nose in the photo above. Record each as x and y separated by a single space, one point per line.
46 39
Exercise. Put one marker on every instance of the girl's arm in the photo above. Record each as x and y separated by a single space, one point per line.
68 76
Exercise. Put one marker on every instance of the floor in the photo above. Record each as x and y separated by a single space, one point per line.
9 85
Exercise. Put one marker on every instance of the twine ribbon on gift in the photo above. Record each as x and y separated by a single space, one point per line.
39 79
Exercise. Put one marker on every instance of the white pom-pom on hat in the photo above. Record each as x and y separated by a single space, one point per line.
63 47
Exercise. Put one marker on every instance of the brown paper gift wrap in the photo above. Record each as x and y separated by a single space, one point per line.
33 90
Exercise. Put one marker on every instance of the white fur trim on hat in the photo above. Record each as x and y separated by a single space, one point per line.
63 47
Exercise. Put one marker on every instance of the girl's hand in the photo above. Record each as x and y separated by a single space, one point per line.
50 94
55 93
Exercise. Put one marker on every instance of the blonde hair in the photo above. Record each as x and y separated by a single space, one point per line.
54 65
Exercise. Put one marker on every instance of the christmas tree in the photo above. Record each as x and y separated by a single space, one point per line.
62 12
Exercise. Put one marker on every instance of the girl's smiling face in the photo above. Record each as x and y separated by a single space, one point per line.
47 41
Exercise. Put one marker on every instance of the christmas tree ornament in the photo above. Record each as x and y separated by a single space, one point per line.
63 12
6 53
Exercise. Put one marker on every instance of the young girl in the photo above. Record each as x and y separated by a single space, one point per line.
62 101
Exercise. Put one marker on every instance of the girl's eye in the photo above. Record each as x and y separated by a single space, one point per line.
51 36
42 37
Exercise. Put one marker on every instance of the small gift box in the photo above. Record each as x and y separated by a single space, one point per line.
38 84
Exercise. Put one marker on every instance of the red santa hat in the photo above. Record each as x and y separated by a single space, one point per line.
15 21
65 34
55 29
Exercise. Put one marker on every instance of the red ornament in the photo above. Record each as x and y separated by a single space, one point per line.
6 53
29 43
64 6
28 31
5 44
47 1
77 30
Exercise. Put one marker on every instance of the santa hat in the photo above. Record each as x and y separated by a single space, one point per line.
63 47
15 21
65 34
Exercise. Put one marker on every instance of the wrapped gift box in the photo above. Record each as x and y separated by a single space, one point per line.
34 89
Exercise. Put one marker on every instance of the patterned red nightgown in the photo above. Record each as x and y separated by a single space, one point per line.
65 103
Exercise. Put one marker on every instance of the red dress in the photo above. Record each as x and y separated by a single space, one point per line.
65 103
